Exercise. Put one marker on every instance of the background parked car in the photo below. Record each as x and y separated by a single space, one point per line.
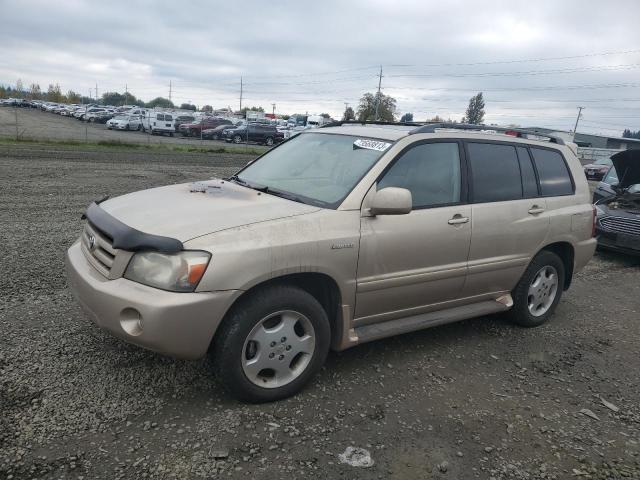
605 189
125 122
598 169
206 123
158 123
618 215
257 133
216 133
182 119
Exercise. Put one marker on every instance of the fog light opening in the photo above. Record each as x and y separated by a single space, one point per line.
131 321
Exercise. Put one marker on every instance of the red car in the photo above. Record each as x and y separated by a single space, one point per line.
206 123
598 169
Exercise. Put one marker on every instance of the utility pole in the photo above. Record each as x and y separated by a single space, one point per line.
169 90
344 115
273 111
126 93
96 91
240 94
575 128
378 95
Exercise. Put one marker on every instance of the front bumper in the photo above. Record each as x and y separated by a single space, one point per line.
611 241
177 324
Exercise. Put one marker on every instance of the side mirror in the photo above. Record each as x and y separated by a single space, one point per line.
391 201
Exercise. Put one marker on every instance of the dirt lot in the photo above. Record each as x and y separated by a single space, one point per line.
39 125
477 399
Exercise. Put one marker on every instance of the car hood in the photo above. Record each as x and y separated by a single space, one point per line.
597 166
627 165
186 211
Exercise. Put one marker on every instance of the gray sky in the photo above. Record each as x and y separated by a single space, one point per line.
534 61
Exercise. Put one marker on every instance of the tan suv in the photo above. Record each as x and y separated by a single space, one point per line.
339 236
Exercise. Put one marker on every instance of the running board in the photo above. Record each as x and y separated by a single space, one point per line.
368 333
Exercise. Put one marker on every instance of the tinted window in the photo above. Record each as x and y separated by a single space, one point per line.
168 118
553 173
159 117
495 172
529 182
431 172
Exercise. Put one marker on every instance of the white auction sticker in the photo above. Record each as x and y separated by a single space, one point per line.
371 144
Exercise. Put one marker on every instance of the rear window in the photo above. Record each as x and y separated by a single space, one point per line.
168 118
495 172
160 117
554 175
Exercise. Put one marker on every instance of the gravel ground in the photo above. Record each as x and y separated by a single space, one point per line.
39 125
477 399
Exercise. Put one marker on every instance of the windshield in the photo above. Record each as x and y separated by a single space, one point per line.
316 168
611 177
121 117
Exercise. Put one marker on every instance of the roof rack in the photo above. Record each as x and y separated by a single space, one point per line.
519 132
371 122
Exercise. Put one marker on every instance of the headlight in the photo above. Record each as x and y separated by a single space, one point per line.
180 272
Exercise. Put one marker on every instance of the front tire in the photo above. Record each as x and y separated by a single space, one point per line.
538 292
269 141
271 344
237 139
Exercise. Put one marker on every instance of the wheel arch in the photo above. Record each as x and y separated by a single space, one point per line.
319 285
566 252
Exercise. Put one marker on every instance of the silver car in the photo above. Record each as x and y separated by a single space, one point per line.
336 237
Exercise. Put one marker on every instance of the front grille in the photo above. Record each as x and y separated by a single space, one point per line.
629 226
97 248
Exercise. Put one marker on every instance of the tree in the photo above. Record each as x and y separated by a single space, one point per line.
160 102
475 110
207 108
19 88
251 109
325 115
386 107
34 91
631 134
73 97
187 106
407 117
54 94
349 114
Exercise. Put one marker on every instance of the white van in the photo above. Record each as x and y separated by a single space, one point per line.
158 122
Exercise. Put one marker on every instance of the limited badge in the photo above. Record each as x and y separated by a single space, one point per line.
371 144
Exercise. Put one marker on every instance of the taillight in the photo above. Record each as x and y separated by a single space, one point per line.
595 219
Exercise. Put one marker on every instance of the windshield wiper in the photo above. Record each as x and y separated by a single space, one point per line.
244 183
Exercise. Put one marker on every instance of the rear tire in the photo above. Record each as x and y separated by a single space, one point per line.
237 139
255 331
269 141
538 292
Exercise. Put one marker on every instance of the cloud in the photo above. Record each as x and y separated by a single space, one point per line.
315 56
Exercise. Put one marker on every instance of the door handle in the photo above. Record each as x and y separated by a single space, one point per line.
535 210
458 219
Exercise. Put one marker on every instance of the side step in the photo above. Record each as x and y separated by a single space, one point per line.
375 331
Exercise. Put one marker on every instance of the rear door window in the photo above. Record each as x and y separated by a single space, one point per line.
495 172
430 171
555 179
160 117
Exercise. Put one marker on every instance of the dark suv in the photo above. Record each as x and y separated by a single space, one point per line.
258 133
207 123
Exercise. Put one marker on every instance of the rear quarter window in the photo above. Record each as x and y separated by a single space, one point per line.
554 176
